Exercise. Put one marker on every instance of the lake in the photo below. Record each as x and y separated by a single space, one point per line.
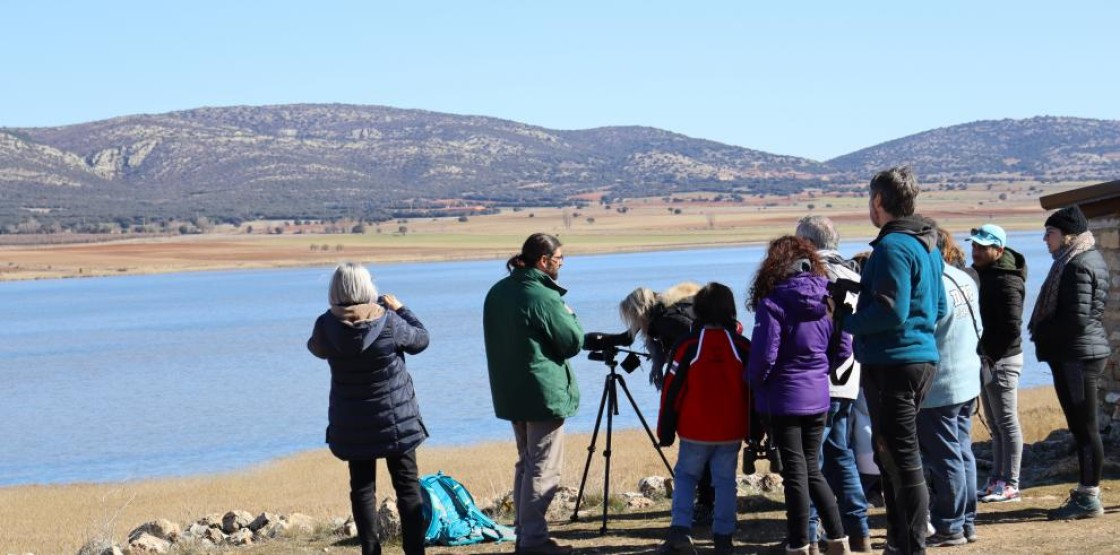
120 378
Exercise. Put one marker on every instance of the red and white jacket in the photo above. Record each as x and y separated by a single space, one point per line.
712 403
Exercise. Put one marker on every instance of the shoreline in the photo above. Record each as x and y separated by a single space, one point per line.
148 261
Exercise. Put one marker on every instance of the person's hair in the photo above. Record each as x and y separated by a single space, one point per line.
860 258
536 246
951 251
785 257
635 309
820 231
351 284
714 305
897 188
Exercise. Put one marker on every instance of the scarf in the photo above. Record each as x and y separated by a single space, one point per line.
1047 301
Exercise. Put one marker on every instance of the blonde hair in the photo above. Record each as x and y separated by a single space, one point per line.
351 284
635 309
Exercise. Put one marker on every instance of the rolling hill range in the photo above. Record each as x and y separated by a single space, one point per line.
369 162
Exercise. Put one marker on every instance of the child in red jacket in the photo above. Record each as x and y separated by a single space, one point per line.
706 402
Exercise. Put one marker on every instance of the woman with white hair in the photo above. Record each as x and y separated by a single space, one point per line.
373 410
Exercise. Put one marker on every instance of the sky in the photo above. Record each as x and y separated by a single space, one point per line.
810 79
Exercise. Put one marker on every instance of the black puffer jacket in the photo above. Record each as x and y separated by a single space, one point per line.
373 410
1076 331
1002 290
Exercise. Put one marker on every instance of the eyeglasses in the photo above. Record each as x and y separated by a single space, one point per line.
558 257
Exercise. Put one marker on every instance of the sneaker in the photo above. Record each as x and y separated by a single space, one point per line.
970 535
1002 493
1079 505
945 540
930 530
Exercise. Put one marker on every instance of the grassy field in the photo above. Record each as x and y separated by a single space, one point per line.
59 518
648 223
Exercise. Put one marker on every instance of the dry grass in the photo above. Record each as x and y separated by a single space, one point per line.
649 223
59 518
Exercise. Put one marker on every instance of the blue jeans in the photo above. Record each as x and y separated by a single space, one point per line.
691 460
838 464
946 443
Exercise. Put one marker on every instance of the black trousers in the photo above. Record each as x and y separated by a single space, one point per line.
406 482
894 394
798 439
1075 382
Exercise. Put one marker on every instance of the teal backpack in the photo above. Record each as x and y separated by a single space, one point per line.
452 516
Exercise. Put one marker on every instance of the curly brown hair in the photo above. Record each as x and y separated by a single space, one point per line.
779 265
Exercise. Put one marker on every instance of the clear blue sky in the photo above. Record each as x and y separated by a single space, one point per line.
813 79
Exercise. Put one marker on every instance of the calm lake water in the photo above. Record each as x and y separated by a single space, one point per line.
122 378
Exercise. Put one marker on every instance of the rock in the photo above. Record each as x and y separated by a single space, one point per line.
241 537
299 523
563 503
345 527
214 536
771 482
500 506
99 547
236 520
636 501
262 520
212 520
656 487
161 528
278 529
147 543
196 530
388 521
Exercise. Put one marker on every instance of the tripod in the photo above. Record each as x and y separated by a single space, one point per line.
609 403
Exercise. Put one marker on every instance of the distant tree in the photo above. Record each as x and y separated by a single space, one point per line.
623 209
358 228
532 215
1003 196
338 247
314 247
403 230
464 218
184 229
810 206
248 229
677 211
590 219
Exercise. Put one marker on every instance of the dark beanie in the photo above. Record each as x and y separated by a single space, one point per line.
1069 220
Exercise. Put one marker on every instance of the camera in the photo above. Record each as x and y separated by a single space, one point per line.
756 450
840 288
599 341
604 347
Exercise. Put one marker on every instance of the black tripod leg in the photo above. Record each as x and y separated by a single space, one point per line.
612 409
649 433
591 447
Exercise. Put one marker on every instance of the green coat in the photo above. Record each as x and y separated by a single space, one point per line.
530 335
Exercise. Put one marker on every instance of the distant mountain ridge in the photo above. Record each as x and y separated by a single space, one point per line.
331 160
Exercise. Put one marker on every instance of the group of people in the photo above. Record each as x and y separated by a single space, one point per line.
878 359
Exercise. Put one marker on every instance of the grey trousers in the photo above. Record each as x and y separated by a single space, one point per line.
1000 399
536 476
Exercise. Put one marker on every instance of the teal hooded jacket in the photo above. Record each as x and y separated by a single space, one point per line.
901 297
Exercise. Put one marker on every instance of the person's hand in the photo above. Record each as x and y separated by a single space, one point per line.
390 301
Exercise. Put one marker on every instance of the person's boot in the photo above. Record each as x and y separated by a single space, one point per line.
678 542
859 544
803 550
721 544
838 546
1079 505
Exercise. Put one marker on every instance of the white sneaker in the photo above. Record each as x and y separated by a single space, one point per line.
1002 493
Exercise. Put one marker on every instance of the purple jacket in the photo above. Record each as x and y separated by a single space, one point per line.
788 370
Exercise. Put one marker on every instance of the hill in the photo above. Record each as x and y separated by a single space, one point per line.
373 163
1041 149
326 161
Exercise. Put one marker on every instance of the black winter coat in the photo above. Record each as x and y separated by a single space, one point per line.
1076 329
1002 290
373 410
